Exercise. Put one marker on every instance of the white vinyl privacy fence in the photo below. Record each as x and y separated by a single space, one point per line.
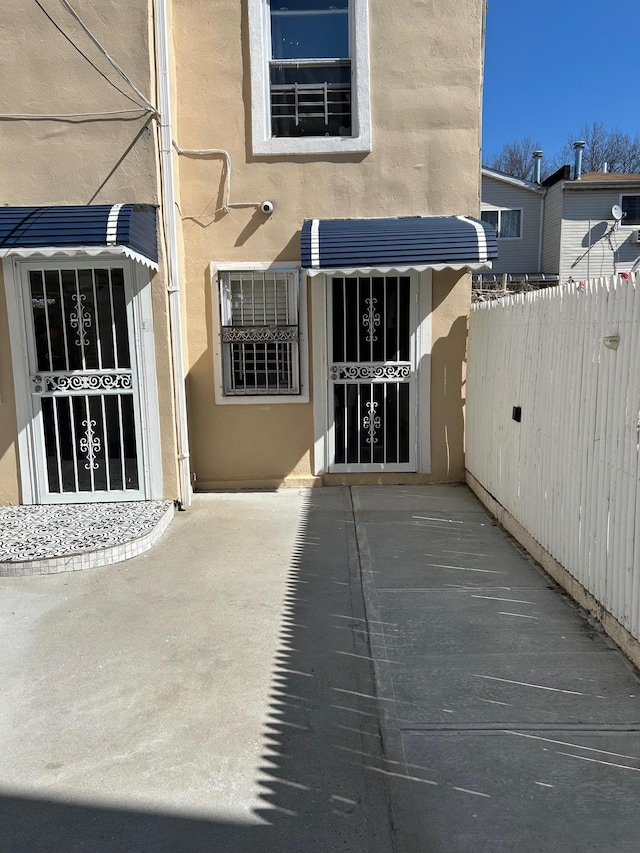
566 361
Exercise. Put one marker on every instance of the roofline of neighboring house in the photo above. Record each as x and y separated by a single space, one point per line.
602 185
509 179
592 180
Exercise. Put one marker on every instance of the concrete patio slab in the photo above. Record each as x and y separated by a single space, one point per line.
511 721
523 621
534 791
289 672
209 695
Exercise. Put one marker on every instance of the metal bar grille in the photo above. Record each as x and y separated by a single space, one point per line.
260 340
85 382
371 373
311 100
311 97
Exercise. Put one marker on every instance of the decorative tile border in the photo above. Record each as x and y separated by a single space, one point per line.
42 540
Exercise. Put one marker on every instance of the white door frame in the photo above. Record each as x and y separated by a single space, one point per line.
421 334
143 366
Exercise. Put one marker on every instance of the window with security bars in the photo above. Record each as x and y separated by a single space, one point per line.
260 332
310 68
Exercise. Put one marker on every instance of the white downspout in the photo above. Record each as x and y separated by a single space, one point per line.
168 199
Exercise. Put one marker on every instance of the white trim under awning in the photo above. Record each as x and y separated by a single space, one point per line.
53 252
480 265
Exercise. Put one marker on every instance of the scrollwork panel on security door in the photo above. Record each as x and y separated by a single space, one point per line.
371 423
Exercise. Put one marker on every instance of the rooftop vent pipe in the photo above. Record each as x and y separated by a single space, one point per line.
537 164
578 147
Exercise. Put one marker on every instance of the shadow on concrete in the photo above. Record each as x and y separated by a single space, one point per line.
322 779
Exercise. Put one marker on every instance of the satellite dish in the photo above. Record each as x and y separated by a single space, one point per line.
616 212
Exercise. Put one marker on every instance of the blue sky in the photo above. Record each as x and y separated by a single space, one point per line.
553 65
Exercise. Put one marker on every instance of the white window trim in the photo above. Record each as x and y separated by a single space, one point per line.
263 142
218 374
632 226
494 209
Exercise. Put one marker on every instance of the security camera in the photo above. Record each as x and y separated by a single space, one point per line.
267 207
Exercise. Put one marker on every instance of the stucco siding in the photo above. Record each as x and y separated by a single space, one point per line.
520 255
76 160
426 73
591 246
69 152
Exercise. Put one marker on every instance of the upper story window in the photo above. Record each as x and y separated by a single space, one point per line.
309 76
507 223
310 68
631 209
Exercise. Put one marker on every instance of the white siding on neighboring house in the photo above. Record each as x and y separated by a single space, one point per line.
552 230
520 255
591 247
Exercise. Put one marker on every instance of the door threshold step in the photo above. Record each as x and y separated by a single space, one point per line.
45 540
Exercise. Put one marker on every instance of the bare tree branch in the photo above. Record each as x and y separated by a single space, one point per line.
516 158
620 151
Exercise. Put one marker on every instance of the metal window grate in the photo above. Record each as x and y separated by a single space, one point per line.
311 98
260 335
83 382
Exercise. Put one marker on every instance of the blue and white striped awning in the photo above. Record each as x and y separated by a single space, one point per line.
101 229
354 246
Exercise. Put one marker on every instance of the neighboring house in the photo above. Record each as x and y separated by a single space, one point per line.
311 173
582 236
514 207
564 228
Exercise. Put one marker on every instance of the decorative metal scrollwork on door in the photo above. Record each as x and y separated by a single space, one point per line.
80 319
83 382
371 371
90 445
371 320
371 422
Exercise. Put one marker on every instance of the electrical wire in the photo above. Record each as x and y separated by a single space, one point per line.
141 111
614 246
204 152
84 56
110 59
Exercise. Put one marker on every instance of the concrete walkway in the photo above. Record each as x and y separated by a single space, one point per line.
514 722
365 670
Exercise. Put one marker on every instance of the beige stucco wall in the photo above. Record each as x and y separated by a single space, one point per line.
426 74
451 302
82 160
77 161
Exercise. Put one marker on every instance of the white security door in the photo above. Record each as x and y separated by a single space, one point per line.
83 383
372 374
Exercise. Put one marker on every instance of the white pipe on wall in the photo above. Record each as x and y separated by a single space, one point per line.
168 200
